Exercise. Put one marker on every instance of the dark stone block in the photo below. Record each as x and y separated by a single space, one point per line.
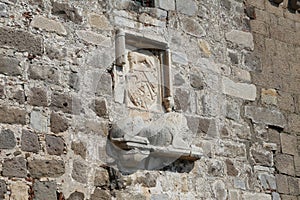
182 100
74 81
101 178
43 72
197 81
19 97
21 40
30 142
7 139
231 170
9 66
38 97
65 103
261 158
100 194
15 167
44 190
79 172
66 12
76 196
2 91
58 123
46 168
3 189
100 108
54 145
149 180
79 149
285 164
12 115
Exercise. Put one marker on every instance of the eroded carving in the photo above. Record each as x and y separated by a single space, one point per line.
142 79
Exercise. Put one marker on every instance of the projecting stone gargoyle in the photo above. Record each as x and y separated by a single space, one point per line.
138 145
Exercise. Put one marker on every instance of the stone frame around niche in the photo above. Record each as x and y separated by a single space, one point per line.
126 42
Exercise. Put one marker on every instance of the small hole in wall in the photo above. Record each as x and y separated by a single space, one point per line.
65 104
145 3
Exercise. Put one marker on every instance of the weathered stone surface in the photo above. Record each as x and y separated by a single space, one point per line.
19 96
39 121
285 164
15 167
76 196
288 144
100 194
182 100
46 168
65 103
48 25
265 116
288 197
100 108
9 66
66 11
219 190
197 81
99 21
239 183
79 172
231 170
79 148
282 183
101 178
44 190
3 189
267 181
231 150
43 72
256 196
58 123
294 186
275 196
269 96
188 7
241 38
297 165
149 180
198 125
11 115
294 123
21 40
264 158
54 145
74 81
19 191
7 139
104 85
192 27
240 90
93 38
165 4
29 141
38 97
180 58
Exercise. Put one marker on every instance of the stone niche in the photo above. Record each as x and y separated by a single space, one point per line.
142 82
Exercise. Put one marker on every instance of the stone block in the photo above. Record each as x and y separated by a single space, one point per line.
38 96
74 81
7 139
9 66
288 197
165 4
286 101
3 189
66 12
233 110
101 178
65 103
285 164
188 7
100 108
21 40
262 115
288 144
93 38
30 142
55 145
275 196
48 25
239 183
294 123
294 186
259 27
240 90
100 194
231 170
11 115
99 21
43 72
231 150
58 123
269 96
104 85
297 165
15 167
240 38
79 148
256 196
267 181
79 172
282 183
220 190
76 196
148 180
19 191
198 125
46 168
39 121
182 100
180 58
45 190
197 81
192 27
264 158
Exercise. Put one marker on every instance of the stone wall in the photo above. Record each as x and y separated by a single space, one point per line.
235 73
